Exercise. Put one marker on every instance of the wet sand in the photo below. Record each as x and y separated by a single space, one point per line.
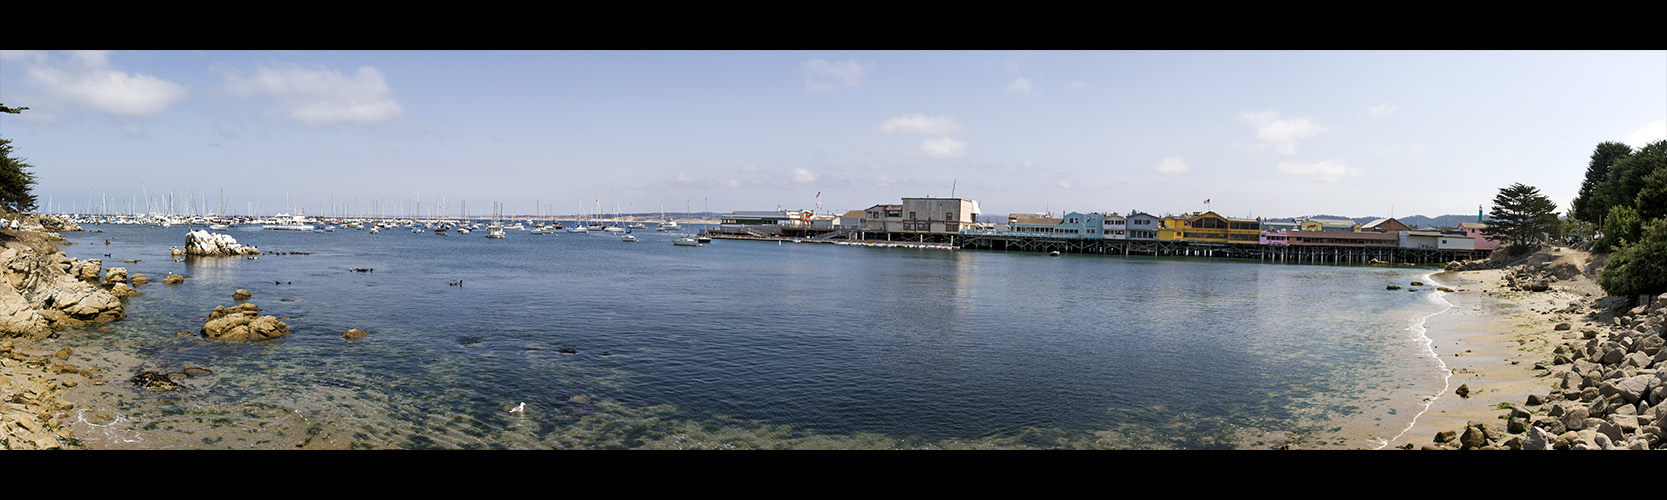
1489 341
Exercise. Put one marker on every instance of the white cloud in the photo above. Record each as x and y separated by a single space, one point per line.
920 125
730 184
1382 109
1654 131
889 181
321 96
823 76
751 169
1077 87
683 178
86 79
1019 86
1174 165
1325 171
943 147
801 176
1283 134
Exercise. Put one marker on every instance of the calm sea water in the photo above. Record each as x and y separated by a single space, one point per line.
742 344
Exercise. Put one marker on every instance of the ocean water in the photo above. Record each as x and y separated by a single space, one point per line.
745 344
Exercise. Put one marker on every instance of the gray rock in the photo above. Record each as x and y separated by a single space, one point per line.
1538 439
1634 388
1575 418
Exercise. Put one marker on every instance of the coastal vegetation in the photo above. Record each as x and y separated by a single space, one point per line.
1625 193
17 177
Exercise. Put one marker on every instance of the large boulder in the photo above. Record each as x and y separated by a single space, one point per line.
204 243
241 323
115 275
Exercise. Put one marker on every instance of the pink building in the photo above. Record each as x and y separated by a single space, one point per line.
1474 230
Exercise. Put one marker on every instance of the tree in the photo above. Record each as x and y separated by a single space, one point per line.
1520 215
1621 227
1590 204
1627 174
1650 166
17 177
1640 268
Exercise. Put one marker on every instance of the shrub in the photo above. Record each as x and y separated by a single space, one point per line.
1639 268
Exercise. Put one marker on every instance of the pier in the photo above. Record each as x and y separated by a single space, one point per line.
1293 254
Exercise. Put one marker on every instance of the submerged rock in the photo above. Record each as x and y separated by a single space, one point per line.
355 334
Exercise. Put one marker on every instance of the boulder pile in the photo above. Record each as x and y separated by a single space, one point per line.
1610 392
204 243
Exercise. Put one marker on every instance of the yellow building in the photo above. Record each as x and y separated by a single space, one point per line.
1210 227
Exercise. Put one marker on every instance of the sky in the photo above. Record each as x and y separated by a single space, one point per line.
1244 133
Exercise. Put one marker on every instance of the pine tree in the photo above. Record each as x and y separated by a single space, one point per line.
17 178
1521 215
1591 204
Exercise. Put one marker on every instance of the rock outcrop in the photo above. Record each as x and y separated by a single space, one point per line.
45 290
242 322
204 243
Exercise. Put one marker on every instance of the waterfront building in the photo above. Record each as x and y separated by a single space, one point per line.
1474 231
1143 226
1210 227
1342 239
1114 227
1274 238
883 218
1327 224
1042 226
1388 225
1457 242
852 220
939 215
1419 240
1279 227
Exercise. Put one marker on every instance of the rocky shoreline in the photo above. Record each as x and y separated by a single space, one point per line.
1554 363
46 291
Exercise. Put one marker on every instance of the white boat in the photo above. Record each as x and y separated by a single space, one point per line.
686 242
295 223
628 237
636 225
217 227
578 229
495 231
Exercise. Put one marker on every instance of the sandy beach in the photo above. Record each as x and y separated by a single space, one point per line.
1490 340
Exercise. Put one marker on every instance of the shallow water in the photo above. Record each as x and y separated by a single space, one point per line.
744 344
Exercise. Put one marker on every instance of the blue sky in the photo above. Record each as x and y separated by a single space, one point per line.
1258 133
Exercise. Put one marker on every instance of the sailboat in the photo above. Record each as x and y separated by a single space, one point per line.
667 224
628 237
495 230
